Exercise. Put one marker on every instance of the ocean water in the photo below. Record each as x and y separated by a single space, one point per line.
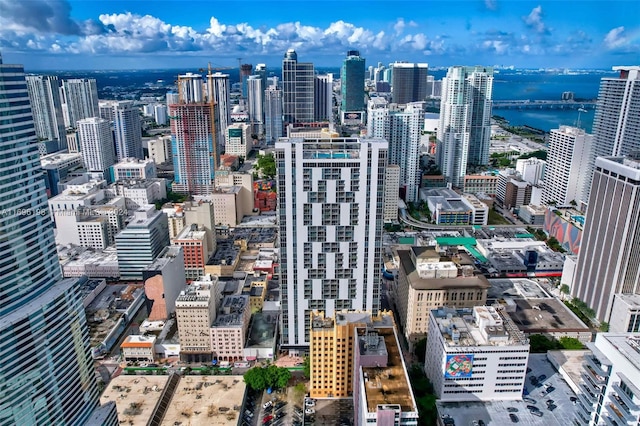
508 85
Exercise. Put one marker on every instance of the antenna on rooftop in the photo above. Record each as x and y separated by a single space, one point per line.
580 111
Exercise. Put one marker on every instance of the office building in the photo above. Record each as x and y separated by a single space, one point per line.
218 85
426 281
193 138
141 242
273 114
160 150
409 82
239 141
567 173
352 82
616 125
255 101
608 262
608 391
96 144
127 130
391 193
193 241
245 72
105 110
195 312
329 261
298 79
531 170
57 167
401 125
44 94
511 190
229 330
323 97
164 279
79 98
133 168
47 375
475 354
465 121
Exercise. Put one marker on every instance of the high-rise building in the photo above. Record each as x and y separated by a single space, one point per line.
245 73
44 94
218 86
465 121
79 97
96 142
164 279
255 100
616 124
239 142
409 82
567 173
47 374
128 130
273 114
608 261
160 114
297 89
401 125
331 196
352 82
193 138
391 193
323 101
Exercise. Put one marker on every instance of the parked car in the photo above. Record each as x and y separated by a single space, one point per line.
512 409
514 418
267 404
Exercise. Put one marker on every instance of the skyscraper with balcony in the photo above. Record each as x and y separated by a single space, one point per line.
323 102
408 82
255 100
44 94
79 97
128 130
218 87
616 124
273 114
96 144
47 372
331 196
608 262
193 138
352 82
464 131
297 89
567 172
401 126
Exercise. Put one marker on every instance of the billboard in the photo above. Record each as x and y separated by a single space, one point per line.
458 366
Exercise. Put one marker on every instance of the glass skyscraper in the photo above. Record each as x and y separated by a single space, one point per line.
46 369
352 82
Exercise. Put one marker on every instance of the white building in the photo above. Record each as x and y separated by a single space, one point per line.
273 114
401 125
137 348
44 95
255 100
134 168
96 144
79 98
239 142
139 193
625 314
164 279
391 193
336 189
531 169
218 84
465 121
475 355
323 97
127 130
609 393
567 173
160 114
160 150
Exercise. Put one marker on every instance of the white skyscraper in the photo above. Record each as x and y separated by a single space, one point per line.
79 97
219 86
160 114
401 125
273 114
330 198
128 130
616 124
465 121
608 262
46 376
567 173
255 99
44 94
96 144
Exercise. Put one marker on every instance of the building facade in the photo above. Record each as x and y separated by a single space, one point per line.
608 261
164 279
239 142
352 82
409 82
273 115
391 193
127 130
44 94
323 98
465 121
330 217
79 99
298 79
96 144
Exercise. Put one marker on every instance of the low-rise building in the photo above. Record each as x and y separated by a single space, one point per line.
77 261
164 279
448 207
475 354
229 330
533 215
137 348
134 168
427 281
481 183
193 240
139 192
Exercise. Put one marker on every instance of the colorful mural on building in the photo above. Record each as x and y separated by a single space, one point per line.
567 234
458 366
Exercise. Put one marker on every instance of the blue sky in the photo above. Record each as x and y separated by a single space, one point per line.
136 34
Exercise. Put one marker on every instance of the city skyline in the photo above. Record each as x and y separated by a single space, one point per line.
135 35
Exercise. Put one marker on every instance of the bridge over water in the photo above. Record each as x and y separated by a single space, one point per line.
544 104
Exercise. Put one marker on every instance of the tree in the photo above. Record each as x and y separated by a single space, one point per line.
570 343
266 164
541 344
255 379
604 326
541 154
260 378
564 289
306 367
420 349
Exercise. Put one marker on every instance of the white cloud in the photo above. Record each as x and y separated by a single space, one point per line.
534 20
615 38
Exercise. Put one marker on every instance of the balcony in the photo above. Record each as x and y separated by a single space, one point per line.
595 366
621 407
597 378
608 421
615 414
588 394
583 416
625 398
584 411
587 381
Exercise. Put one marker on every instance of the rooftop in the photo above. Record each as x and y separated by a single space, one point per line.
135 397
137 341
387 385
262 330
537 316
516 288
